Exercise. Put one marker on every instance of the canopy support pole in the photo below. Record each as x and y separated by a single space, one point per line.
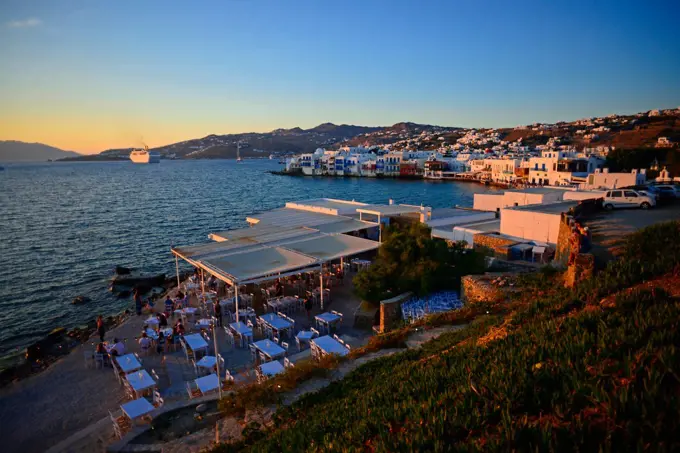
379 229
236 300
177 269
321 292
202 288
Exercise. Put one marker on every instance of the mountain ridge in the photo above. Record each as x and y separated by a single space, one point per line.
18 151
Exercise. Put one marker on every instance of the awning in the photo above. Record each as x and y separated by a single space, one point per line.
388 209
327 248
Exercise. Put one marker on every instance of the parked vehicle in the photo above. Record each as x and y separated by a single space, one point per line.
627 198
668 191
651 190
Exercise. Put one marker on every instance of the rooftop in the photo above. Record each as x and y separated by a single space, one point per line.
539 190
445 213
550 208
389 209
327 206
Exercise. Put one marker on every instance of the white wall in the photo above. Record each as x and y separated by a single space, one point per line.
583 195
487 202
530 225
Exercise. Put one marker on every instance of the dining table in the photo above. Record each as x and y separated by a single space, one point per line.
270 349
208 363
137 408
243 331
272 368
128 363
140 381
276 322
196 342
207 384
329 345
327 319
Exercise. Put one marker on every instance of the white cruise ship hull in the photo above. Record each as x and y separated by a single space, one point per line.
145 157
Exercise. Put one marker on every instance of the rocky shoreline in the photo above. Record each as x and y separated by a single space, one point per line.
61 341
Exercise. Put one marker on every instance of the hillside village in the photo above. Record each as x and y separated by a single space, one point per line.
561 154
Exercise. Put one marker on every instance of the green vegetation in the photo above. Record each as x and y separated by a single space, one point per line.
410 260
636 158
565 370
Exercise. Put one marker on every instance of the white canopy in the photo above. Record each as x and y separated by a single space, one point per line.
237 262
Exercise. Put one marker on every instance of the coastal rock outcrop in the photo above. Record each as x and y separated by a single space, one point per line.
120 270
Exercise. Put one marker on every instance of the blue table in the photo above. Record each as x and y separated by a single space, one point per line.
329 345
272 368
270 349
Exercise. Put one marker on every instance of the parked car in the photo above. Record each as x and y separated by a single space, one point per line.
650 190
668 191
627 198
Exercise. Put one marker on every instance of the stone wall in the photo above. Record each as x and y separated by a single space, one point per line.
497 245
581 269
563 241
390 312
490 287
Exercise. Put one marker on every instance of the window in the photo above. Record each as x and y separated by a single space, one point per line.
630 194
616 194
543 167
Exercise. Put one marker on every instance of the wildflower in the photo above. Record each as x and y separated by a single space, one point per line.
538 366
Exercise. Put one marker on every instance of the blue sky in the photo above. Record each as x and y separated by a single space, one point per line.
88 75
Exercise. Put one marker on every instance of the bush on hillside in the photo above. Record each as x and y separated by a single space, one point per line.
411 260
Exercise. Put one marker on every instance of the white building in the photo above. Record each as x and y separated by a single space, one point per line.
519 197
604 180
535 222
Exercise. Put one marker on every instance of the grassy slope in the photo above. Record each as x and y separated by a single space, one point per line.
563 372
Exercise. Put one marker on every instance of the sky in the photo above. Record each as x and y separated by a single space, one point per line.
87 75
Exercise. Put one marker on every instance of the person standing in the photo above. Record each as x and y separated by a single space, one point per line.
308 307
138 301
101 329
218 313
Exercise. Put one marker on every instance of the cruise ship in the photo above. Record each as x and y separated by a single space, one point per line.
144 156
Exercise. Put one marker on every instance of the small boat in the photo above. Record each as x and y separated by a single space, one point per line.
271 157
238 152
144 156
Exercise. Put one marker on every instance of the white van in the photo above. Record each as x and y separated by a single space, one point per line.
627 198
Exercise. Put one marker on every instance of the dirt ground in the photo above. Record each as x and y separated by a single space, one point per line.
609 227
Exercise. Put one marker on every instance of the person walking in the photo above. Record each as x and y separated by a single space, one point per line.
308 307
101 329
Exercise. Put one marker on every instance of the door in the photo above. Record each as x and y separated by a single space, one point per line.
631 198
617 199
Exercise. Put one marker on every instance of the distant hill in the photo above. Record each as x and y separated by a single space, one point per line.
15 151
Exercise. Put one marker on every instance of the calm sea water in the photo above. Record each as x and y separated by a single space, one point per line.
65 226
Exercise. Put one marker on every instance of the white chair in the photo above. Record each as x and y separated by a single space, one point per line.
189 390
116 426
276 340
287 363
299 345
221 361
193 363
99 360
315 332
284 345
154 375
263 357
88 355
227 376
157 400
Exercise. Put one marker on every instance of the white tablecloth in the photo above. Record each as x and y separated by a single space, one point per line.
207 362
207 383
270 349
330 346
276 321
195 342
128 363
140 380
137 408
204 323
241 329
328 318
272 368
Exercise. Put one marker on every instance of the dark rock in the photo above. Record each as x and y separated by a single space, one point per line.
57 333
123 294
120 270
129 282
80 300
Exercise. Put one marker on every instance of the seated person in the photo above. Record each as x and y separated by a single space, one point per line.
145 342
169 304
162 320
118 347
101 349
179 328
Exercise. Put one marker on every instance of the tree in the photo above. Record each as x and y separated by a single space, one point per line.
411 260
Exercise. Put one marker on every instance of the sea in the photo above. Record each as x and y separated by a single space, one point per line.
65 226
